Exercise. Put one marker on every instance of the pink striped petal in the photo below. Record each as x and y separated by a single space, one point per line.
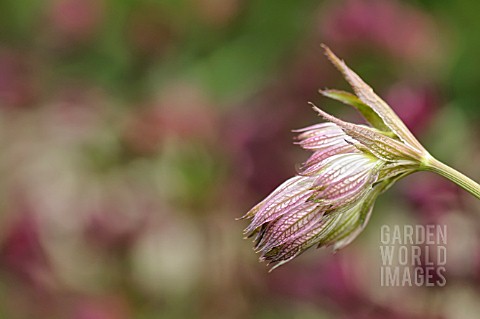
281 200
290 226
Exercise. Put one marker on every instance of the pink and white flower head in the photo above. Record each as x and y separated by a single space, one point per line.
331 199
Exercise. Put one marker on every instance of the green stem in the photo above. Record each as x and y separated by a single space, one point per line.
455 176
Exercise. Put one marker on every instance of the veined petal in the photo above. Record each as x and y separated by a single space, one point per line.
314 129
289 250
337 228
341 224
319 142
279 202
301 202
290 226
254 210
390 170
352 228
318 160
345 165
299 244
345 179
348 223
348 190
378 144
317 137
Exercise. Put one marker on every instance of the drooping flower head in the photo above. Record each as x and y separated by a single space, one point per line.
330 201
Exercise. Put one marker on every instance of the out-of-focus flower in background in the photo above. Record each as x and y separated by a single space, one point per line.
218 13
22 252
100 308
75 20
402 31
17 81
181 112
149 31
416 104
434 197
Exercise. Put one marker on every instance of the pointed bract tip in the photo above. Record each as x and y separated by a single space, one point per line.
278 265
323 91
315 108
326 92
336 61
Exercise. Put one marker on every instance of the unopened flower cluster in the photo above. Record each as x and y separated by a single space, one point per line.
330 201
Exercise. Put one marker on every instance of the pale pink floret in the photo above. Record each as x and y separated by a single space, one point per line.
330 201
285 197
335 175
344 178
341 171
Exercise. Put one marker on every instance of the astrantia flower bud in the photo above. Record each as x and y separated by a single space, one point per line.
330 201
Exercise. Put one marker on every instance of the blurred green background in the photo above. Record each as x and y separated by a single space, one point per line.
133 133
